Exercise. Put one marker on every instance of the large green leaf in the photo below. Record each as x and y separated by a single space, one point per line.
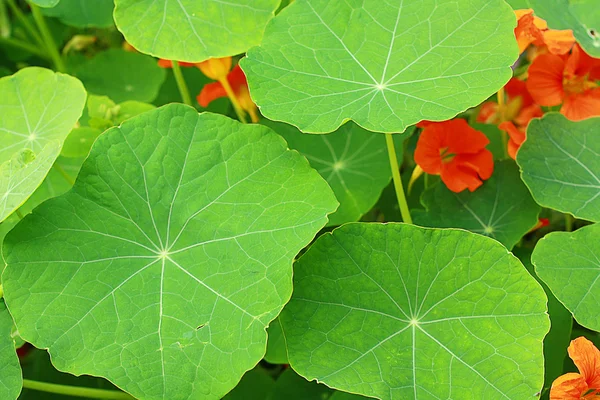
122 75
385 65
193 30
163 265
276 350
560 164
569 263
352 160
11 379
83 13
397 311
502 208
582 16
39 108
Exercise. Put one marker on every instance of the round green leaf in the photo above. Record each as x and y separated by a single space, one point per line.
162 267
569 263
502 208
39 108
83 13
384 65
396 311
79 142
560 164
193 30
11 379
122 75
352 160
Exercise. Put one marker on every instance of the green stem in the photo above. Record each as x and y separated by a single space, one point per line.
19 213
19 44
26 23
59 64
64 174
569 222
389 140
183 88
76 391
234 100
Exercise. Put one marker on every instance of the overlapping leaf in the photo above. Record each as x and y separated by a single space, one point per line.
352 160
193 30
502 208
163 265
560 163
276 350
38 110
569 263
11 379
385 65
83 13
44 3
396 311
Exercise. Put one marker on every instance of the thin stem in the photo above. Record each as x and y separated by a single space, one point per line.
234 100
19 44
19 213
64 174
59 64
26 23
389 140
76 391
569 220
181 85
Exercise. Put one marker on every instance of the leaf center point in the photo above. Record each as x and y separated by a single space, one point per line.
414 322
381 86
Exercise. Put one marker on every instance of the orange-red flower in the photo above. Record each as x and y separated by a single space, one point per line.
567 80
586 384
456 152
239 86
533 30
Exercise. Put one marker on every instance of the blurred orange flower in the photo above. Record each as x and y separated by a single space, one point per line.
586 384
456 152
533 30
567 80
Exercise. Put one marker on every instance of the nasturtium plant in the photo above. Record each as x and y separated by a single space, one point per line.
39 107
502 208
569 263
322 63
396 311
122 76
10 378
276 348
352 160
83 13
192 30
560 165
134 253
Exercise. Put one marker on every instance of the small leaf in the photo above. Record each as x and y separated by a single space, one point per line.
569 263
122 75
276 350
193 30
162 267
11 380
502 208
83 13
352 160
395 311
79 142
384 65
39 109
560 164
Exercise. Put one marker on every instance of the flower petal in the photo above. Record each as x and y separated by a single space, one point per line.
587 359
559 42
545 83
462 138
582 106
211 92
570 386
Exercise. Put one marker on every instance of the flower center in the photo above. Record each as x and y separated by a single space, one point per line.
446 155
577 84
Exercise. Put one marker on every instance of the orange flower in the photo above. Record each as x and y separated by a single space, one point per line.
586 384
570 80
239 86
533 30
456 152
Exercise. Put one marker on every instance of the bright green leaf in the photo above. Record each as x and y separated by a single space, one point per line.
352 160
11 379
162 267
569 264
193 30
44 3
560 164
276 350
39 108
384 65
402 312
291 386
83 13
501 208
122 75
